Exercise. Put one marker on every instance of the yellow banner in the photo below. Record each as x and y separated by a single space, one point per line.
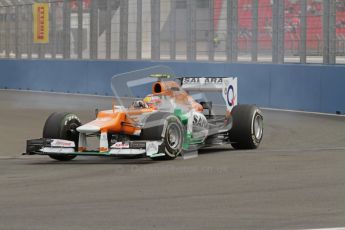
41 22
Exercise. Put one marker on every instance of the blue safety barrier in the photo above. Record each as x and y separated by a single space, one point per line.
288 86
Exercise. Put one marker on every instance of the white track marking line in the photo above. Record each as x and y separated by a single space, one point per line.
341 228
303 112
295 111
303 149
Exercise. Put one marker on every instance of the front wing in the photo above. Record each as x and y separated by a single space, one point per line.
46 146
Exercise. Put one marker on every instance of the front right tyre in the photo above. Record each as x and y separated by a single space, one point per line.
62 126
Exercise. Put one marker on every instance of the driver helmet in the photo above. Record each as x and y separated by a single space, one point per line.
152 100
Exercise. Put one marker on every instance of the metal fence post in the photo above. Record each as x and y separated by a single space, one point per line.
80 29
7 33
303 33
281 31
29 31
275 9
94 29
234 25
123 49
108 30
139 29
232 30
278 32
155 29
332 32
188 30
191 30
52 31
255 23
16 32
325 30
229 32
66 29
211 31
172 26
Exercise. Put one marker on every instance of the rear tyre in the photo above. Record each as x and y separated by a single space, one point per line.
247 129
62 126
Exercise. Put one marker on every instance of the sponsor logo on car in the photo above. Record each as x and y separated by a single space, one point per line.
137 145
62 143
200 120
121 145
231 97
204 80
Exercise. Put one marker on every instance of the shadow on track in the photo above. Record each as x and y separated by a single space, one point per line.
96 161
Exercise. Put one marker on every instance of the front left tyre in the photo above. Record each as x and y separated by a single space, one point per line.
173 137
168 128
62 126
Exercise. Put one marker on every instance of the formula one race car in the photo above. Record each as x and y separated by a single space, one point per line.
163 125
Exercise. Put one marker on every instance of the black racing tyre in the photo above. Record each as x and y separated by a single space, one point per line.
173 137
173 133
247 129
62 126
153 126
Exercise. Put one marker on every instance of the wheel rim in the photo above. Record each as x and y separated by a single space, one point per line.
258 126
173 136
71 132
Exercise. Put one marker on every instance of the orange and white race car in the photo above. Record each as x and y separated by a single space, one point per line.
163 125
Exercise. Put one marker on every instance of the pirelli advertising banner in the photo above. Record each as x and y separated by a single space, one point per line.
41 22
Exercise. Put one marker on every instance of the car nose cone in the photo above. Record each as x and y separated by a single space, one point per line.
88 129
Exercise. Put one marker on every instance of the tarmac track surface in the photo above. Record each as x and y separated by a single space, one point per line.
295 180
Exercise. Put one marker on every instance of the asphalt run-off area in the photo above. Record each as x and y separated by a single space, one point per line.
295 180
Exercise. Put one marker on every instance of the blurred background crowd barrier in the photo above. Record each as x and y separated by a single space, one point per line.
271 31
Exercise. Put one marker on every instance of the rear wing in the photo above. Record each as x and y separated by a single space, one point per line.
226 85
